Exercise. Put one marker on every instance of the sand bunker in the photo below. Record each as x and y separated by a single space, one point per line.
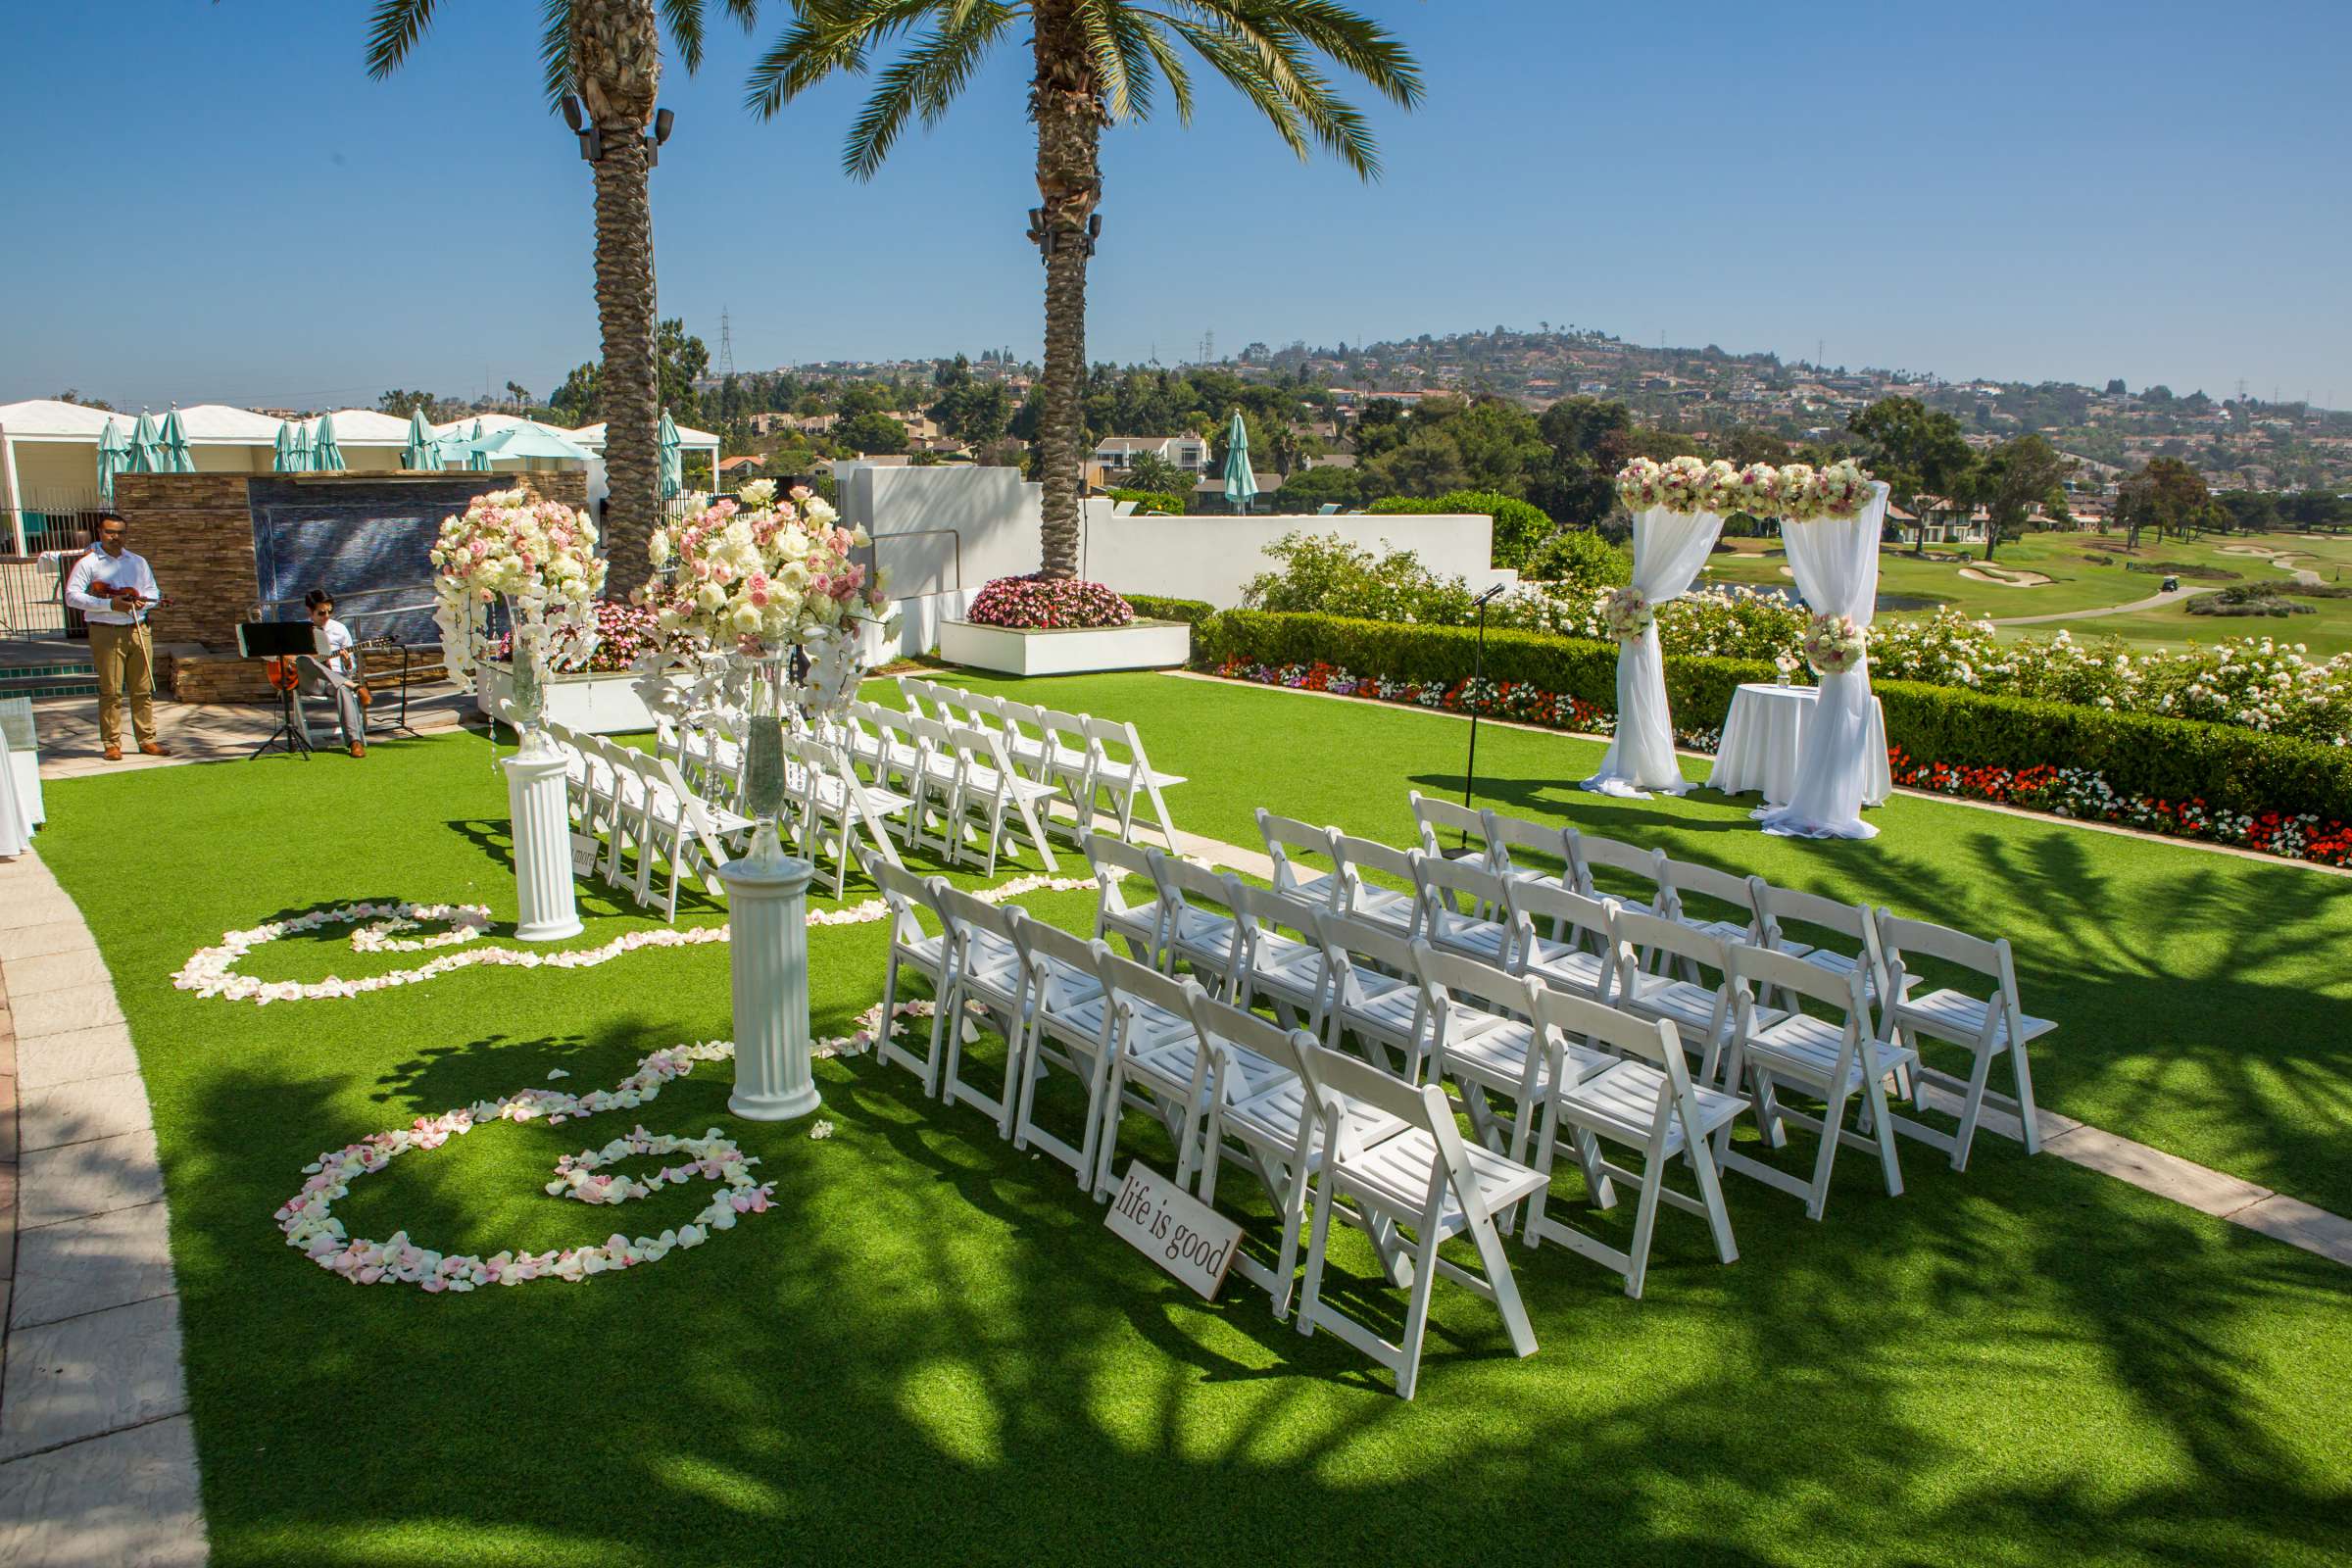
2002 576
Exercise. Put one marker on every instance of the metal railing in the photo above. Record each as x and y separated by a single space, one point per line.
32 586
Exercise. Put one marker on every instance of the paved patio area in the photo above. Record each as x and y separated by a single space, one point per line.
212 732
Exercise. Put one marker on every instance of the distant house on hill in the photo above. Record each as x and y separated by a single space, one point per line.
741 467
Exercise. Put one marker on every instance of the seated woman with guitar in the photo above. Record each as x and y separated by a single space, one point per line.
336 670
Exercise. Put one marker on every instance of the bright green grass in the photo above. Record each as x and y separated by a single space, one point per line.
2326 633
932 1351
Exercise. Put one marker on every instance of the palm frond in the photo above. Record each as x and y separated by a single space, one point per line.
1263 29
831 35
1354 41
1232 58
393 30
1171 66
555 49
1115 36
684 19
924 82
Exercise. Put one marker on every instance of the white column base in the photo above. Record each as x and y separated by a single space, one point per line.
535 802
768 955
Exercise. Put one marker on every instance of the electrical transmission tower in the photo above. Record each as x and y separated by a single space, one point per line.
727 345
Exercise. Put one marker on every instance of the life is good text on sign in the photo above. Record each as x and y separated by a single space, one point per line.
1174 1229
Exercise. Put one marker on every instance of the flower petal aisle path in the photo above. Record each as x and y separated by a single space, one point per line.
97 1458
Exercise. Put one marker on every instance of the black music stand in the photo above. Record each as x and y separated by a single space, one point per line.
401 725
279 639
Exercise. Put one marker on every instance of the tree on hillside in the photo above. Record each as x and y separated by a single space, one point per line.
1094 63
608 53
870 434
578 401
1919 452
2166 495
2016 477
684 361
403 402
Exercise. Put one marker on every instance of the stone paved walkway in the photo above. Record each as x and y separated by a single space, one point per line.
212 732
97 1459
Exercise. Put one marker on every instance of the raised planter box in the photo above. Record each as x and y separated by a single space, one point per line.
1077 651
591 704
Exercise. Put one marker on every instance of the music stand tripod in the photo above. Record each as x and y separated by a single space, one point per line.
279 639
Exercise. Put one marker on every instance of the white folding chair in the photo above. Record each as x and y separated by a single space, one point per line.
1126 775
987 974
1281 960
1517 847
1641 1097
894 756
1456 898
1066 761
1158 1063
916 692
1589 854
1986 1026
1375 992
1831 1061
1068 1028
1423 1180
1198 928
911 948
993 799
1311 885
1854 925
1438 821
1481 1040
837 806
682 833
935 820
1580 955
1701 1012
1114 861
1714 903
1374 903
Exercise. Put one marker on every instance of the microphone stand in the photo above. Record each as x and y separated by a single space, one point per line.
1478 670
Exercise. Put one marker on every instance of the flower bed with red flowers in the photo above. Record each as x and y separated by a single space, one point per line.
624 633
2077 792
1046 604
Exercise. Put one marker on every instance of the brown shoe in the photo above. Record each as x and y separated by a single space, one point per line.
114 754
154 749
359 748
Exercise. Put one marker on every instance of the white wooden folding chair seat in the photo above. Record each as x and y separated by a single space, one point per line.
1118 867
1068 1028
1128 780
1643 1099
1588 852
1197 928
1988 1027
1379 1003
911 948
1856 923
682 831
836 807
1161 1064
1371 902
1457 897
1578 957
1519 847
934 822
1026 741
1066 761
881 743
1702 1013
1281 961
1480 1041
1833 1063
993 799
1424 1180
1286 837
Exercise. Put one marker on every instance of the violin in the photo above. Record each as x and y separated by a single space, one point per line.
283 676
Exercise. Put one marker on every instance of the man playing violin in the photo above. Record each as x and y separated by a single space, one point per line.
114 590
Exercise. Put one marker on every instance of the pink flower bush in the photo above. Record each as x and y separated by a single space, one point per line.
1042 603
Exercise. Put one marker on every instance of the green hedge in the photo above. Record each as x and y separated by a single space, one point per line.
1519 526
1196 614
2140 754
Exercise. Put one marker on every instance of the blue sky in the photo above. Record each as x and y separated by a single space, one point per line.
212 202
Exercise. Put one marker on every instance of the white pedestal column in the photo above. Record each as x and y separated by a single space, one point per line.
542 846
768 916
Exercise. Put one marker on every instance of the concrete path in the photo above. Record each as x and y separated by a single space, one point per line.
212 732
2152 602
97 1459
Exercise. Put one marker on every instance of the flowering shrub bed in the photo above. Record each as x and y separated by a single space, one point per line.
1487 698
1045 603
621 634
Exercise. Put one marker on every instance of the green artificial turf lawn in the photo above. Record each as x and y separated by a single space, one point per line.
932 1350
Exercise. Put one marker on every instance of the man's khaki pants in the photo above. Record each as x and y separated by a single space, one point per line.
125 658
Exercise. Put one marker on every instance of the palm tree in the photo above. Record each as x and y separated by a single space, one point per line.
1097 62
609 53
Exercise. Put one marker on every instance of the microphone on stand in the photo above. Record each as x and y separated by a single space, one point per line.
1478 670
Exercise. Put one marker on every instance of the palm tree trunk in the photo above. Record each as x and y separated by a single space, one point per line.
1068 106
629 391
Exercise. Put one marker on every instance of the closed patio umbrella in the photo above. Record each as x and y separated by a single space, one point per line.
145 456
113 454
422 452
1241 484
173 444
324 454
476 460
673 467
286 459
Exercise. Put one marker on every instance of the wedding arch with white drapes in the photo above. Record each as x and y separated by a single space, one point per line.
1669 548
1837 565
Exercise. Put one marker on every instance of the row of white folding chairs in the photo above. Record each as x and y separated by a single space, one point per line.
626 805
1326 1133
1446 1015
1090 760
970 804
1991 1026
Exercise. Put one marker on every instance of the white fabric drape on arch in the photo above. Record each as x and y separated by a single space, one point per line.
1669 548
1837 566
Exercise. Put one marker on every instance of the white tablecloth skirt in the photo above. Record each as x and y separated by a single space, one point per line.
1763 734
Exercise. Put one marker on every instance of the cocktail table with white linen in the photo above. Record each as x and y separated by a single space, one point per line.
1763 736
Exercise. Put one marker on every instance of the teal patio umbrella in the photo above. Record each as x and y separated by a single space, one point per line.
145 456
289 455
174 441
422 452
476 460
113 456
1241 484
324 454
526 440
673 467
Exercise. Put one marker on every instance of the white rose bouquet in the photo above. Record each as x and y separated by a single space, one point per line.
1721 493
1835 644
539 555
1640 485
759 575
1756 491
1627 613
1683 485
1800 493
1844 489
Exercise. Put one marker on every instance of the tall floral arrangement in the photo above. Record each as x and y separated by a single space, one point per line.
758 573
537 556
